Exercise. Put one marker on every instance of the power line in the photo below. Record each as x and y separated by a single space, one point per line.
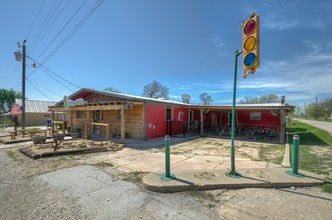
39 90
34 21
50 71
55 19
92 10
42 26
56 36
37 84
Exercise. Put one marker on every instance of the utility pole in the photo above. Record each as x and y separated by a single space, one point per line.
23 85
21 57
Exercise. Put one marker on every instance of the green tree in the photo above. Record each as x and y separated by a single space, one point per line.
7 99
322 109
205 98
155 90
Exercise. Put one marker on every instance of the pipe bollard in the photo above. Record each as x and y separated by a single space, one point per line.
167 175
295 157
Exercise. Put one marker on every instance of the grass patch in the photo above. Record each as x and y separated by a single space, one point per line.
133 176
309 135
327 187
273 153
315 149
104 164
193 193
13 155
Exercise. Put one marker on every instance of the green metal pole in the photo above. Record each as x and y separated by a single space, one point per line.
167 175
295 157
233 173
167 157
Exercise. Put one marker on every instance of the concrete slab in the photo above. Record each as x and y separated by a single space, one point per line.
217 179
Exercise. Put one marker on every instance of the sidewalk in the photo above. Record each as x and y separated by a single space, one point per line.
216 179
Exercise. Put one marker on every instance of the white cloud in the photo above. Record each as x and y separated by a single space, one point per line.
301 78
276 23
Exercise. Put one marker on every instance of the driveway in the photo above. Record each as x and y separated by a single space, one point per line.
326 126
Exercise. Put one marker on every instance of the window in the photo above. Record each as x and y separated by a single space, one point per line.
79 114
255 115
168 113
98 115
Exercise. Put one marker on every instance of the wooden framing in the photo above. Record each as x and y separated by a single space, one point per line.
88 129
54 123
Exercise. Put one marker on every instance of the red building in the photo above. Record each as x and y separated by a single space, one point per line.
127 116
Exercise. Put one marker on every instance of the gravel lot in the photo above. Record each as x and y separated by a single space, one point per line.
24 195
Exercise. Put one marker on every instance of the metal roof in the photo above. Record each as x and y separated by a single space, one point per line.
35 106
82 93
85 92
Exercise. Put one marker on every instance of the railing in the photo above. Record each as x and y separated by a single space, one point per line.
181 128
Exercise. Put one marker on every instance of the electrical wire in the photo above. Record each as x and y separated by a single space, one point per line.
50 26
56 36
34 21
92 10
50 71
39 90
42 27
37 84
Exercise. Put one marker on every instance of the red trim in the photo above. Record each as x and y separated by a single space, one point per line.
81 95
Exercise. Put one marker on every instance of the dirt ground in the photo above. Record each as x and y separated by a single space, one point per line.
288 203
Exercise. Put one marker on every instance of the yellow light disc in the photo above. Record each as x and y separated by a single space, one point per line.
250 43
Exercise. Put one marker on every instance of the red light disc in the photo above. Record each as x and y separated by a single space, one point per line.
249 27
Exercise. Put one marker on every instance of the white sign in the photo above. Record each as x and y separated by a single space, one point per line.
70 103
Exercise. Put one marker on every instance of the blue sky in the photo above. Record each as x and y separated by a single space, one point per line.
186 45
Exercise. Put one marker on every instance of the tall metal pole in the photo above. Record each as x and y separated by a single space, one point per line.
23 85
232 172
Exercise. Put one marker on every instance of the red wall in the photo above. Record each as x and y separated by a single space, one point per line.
156 120
179 115
156 125
267 119
243 119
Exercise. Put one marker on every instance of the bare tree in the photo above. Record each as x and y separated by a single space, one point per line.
205 98
111 89
268 98
248 100
155 90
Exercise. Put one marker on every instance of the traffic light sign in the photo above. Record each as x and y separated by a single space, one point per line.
250 44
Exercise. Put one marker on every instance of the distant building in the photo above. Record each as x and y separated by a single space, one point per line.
36 112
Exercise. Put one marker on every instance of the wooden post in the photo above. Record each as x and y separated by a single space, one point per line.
202 121
107 132
52 124
282 126
87 130
123 130
71 121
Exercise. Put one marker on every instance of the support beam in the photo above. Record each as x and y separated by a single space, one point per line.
202 121
282 126
123 129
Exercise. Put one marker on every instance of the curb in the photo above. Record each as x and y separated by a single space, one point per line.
216 179
34 155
